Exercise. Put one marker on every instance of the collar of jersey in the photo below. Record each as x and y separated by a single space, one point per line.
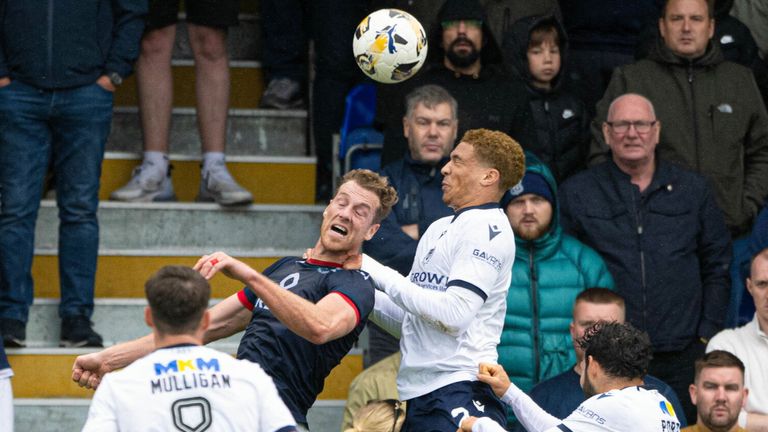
181 345
486 206
323 263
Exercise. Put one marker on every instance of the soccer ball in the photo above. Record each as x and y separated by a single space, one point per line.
390 45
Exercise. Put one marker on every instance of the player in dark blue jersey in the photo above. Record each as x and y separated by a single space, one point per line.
302 316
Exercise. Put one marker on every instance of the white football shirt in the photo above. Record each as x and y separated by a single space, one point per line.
188 388
473 250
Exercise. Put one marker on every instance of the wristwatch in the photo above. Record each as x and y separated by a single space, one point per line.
115 78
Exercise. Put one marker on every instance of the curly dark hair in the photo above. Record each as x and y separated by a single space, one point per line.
622 350
499 151
178 297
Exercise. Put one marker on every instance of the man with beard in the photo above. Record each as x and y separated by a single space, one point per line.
300 316
718 392
616 356
465 59
550 270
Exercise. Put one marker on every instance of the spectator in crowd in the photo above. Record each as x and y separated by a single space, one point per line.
750 344
550 270
616 357
562 394
657 226
717 123
378 382
378 416
503 13
430 126
225 394
309 311
742 306
288 25
535 47
465 59
207 24
6 392
718 392
56 98
603 35
754 13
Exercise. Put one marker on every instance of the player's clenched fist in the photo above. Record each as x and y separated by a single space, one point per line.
88 370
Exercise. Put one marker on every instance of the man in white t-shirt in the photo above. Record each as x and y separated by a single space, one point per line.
183 386
449 312
616 356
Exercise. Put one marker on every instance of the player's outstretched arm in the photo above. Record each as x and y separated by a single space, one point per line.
90 368
330 318
532 416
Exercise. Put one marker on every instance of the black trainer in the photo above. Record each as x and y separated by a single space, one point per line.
14 333
282 94
77 331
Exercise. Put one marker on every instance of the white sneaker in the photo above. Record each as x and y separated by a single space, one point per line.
218 185
146 185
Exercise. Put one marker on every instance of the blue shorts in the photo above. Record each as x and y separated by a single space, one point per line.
443 409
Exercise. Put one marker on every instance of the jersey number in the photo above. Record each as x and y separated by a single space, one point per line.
192 414
290 281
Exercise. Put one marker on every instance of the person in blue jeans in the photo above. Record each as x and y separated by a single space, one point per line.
56 93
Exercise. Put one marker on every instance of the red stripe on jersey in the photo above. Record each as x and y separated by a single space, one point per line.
244 300
351 303
324 263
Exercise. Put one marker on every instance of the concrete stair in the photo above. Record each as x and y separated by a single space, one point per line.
267 153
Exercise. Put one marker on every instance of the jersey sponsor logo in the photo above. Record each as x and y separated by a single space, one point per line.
192 414
428 257
493 231
670 426
487 258
588 413
478 405
430 280
667 408
187 365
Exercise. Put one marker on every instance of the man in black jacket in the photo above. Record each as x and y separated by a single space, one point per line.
465 59
662 235
430 126
59 64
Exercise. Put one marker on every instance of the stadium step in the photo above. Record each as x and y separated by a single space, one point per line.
246 85
38 415
117 320
166 228
250 132
271 180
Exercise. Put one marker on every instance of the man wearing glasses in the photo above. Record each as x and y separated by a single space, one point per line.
664 239
716 123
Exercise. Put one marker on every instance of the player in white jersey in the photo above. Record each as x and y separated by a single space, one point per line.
449 312
616 358
183 386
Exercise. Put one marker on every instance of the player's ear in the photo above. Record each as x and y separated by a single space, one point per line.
148 317
491 176
692 392
205 322
371 231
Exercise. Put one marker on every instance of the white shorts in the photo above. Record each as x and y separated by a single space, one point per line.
6 405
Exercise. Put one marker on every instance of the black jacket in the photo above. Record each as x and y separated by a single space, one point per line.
559 131
668 248
420 202
54 44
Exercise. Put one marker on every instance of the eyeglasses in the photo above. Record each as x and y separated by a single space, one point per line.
396 406
622 127
455 23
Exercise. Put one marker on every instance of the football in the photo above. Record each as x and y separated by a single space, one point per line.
390 45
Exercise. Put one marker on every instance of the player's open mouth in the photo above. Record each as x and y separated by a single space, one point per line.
339 229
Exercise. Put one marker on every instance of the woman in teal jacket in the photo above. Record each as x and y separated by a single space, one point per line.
548 273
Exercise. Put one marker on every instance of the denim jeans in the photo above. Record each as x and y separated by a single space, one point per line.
67 128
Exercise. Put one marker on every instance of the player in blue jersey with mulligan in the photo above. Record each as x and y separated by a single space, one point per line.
449 312
301 316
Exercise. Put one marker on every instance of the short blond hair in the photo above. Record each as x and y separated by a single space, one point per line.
499 151
379 416
377 184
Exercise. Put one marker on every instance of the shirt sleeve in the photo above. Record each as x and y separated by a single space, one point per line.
247 297
530 415
356 287
102 415
480 256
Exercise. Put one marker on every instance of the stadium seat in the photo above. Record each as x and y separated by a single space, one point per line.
358 144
